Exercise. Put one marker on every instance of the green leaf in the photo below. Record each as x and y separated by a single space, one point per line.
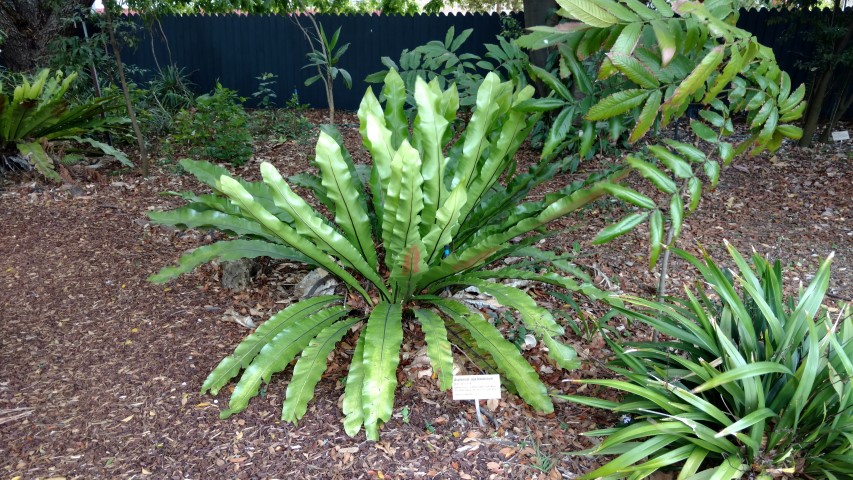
559 131
635 70
620 228
192 218
278 353
340 185
673 162
429 130
629 195
554 83
652 174
617 104
703 131
506 356
749 420
310 225
446 224
588 12
438 347
246 351
493 100
376 138
228 251
40 159
247 203
310 367
540 105
666 41
743 372
107 149
403 204
655 237
383 336
676 214
647 116
395 103
353 407
565 356
697 77
537 319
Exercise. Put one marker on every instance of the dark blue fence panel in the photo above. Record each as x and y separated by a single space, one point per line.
235 49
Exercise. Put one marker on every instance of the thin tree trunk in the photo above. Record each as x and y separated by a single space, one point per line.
539 12
143 151
814 107
822 87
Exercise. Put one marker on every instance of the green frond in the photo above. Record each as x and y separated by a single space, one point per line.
506 356
246 351
310 367
228 250
247 203
350 206
353 406
313 226
383 336
278 353
438 347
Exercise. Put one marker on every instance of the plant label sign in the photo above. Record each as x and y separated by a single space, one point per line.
841 135
476 387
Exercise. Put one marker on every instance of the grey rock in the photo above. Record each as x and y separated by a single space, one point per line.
317 282
237 275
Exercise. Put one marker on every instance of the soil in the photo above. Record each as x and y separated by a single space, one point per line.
100 370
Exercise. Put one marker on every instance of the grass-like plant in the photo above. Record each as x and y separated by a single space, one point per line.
749 384
421 224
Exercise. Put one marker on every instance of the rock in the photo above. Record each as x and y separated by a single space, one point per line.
317 282
237 275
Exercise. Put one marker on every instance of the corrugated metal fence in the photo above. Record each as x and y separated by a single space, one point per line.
234 49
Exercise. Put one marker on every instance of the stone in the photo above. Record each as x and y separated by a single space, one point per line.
237 275
317 282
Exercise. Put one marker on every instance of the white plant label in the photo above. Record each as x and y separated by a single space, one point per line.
841 135
476 387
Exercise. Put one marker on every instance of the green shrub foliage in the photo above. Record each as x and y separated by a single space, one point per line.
749 383
217 128
37 112
415 225
626 67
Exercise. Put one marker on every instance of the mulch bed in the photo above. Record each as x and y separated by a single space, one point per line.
100 370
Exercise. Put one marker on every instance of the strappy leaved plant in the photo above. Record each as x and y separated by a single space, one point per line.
428 218
37 112
749 385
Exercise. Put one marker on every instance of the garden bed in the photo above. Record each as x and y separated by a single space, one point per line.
101 370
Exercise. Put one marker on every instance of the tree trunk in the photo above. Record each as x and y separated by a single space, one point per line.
29 27
143 151
540 12
815 106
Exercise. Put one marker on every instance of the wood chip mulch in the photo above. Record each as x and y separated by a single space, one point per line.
100 370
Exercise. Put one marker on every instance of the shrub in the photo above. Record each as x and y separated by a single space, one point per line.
38 112
652 62
755 385
446 62
217 128
418 225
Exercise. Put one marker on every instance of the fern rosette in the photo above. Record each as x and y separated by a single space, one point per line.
427 193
